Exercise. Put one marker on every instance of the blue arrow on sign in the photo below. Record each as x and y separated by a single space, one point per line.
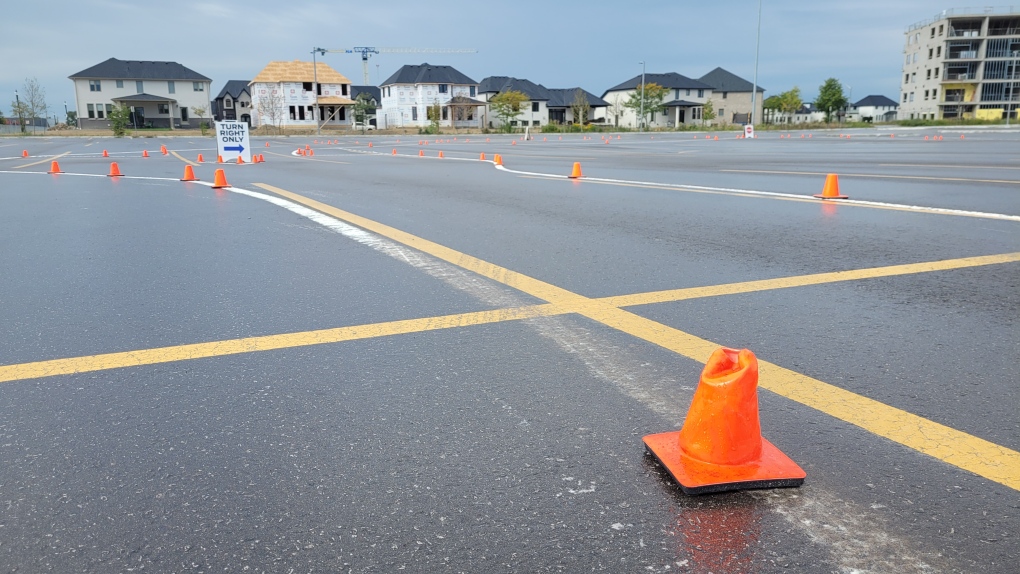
237 148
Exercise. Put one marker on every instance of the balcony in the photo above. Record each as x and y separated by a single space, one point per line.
954 33
962 55
955 77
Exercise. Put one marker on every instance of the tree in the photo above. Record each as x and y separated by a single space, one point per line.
20 109
433 113
72 119
707 111
616 108
507 106
580 107
270 108
200 111
830 98
120 117
790 102
34 99
772 105
654 94
363 106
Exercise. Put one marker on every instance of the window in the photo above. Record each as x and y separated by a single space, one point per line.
722 114
934 94
414 113
301 112
443 88
95 85
938 52
701 93
534 106
120 83
198 86
162 108
908 59
936 73
911 96
184 114
92 111
926 94
446 113
933 31
318 89
913 78
228 103
170 87
904 97
906 78
293 113
109 108
724 95
688 92
471 90
536 123
940 29
99 111
931 52
929 75
306 86
140 86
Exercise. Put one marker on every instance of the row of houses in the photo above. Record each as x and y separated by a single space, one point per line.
303 94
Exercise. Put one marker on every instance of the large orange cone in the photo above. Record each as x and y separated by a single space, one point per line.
576 173
145 153
481 156
162 149
220 180
189 174
240 160
24 153
219 159
262 158
394 151
421 153
106 153
114 170
831 189
497 159
54 168
201 159
720 446
441 156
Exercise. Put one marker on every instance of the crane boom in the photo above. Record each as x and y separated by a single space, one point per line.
367 51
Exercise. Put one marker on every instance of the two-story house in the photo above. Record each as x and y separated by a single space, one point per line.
731 97
408 94
233 102
682 103
159 94
288 94
534 112
874 109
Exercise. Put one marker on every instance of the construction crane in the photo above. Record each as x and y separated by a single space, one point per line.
367 51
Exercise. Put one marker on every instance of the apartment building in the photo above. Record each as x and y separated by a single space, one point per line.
962 63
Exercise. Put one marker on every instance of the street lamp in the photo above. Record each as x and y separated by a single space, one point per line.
642 124
21 116
757 46
65 112
315 88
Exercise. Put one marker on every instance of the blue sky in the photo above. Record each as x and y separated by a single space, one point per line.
593 44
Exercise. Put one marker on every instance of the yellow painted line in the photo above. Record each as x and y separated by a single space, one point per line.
185 160
41 161
871 175
939 165
304 157
106 361
994 462
806 280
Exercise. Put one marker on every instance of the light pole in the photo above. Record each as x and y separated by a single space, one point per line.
21 116
757 46
315 88
642 124
65 111
1009 93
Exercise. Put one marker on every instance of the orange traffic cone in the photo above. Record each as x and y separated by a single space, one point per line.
831 189
106 153
262 158
576 173
421 153
189 174
720 446
267 144
311 152
441 156
962 136
925 138
497 159
220 180
300 151
145 153
240 160
369 144
54 168
308 146
114 170
513 142
200 159
716 138
162 149
394 151
219 159
24 153
481 156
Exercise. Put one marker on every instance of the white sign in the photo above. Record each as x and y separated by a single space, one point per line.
232 141
749 131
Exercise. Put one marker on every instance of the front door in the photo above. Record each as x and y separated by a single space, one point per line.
138 117
679 116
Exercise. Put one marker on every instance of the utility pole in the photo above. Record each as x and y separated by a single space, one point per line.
757 47
21 116
642 128
315 88
1009 93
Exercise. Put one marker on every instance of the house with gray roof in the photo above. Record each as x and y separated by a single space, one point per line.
731 97
233 102
545 105
874 108
408 94
159 94
682 104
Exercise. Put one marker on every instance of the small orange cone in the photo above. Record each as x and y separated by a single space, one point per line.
925 138
300 151
441 155
24 153
394 151
486 140
576 173
201 159
369 144
308 146
162 149
543 139
421 153
831 189
114 170
189 174
219 159
497 159
720 446
239 160
54 168
513 142
716 138
481 156
106 153
145 153
311 152
962 136
267 144
220 180
262 158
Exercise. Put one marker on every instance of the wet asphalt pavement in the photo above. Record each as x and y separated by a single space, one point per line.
512 446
